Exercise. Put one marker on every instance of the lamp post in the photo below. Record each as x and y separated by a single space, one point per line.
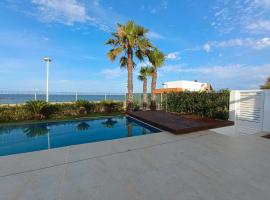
48 61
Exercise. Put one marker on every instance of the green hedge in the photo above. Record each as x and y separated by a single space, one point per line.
213 105
38 110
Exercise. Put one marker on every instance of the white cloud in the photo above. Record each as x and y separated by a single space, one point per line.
113 72
259 26
173 56
154 9
154 35
207 47
256 44
263 2
234 76
65 11
238 15
71 12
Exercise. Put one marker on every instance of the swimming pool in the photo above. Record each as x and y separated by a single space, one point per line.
40 136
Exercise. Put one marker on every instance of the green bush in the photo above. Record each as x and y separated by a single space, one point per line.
35 107
213 105
89 106
14 113
49 110
136 106
111 106
39 110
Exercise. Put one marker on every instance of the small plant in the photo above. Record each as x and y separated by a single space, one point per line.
111 106
136 106
82 111
49 110
36 107
89 106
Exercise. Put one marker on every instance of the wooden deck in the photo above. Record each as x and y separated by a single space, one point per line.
177 124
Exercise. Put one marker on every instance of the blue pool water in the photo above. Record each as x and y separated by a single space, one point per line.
40 136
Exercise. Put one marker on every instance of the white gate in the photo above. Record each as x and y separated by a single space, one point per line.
249 112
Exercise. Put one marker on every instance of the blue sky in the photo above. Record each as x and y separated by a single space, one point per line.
224 42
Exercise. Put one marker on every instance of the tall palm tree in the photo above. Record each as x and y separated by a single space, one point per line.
157 59
130 40
144 73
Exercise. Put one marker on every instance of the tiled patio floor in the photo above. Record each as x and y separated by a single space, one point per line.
202 165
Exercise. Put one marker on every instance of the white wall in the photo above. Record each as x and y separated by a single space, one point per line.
187 85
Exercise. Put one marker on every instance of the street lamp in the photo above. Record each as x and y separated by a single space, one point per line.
48 61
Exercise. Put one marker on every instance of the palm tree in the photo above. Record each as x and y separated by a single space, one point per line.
157 59
144 72
130 40
267 84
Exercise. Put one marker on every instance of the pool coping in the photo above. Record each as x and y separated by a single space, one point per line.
39 160
55 120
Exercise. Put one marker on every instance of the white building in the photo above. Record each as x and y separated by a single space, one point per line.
188 85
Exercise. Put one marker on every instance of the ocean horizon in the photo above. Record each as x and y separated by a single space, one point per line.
22 98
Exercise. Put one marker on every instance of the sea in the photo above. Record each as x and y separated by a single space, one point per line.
22 98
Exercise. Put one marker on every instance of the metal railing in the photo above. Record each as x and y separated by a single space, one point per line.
20 97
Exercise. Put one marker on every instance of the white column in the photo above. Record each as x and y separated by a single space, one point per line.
47 85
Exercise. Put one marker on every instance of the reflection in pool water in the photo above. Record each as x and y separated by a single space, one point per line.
109 123
40 136
36 130
83 126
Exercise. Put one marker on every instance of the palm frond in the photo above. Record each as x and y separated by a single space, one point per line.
139 54
113 53
156 57
140 77
112 42
123 61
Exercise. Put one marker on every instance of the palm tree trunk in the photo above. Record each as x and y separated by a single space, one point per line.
130 80
153 87
144 93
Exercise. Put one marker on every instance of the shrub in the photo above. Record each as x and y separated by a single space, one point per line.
112 106
50 109
212 105
89 106
14 113
136 106
40 109
35 106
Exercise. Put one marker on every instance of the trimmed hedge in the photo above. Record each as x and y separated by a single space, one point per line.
213 105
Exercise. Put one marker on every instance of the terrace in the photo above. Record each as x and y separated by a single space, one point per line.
201 165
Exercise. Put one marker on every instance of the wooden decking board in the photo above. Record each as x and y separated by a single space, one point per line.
177 124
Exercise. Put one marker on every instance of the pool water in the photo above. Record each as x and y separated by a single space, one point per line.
41 136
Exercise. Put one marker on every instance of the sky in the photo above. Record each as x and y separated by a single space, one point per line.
223 42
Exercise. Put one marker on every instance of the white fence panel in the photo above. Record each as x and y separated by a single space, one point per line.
247 110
